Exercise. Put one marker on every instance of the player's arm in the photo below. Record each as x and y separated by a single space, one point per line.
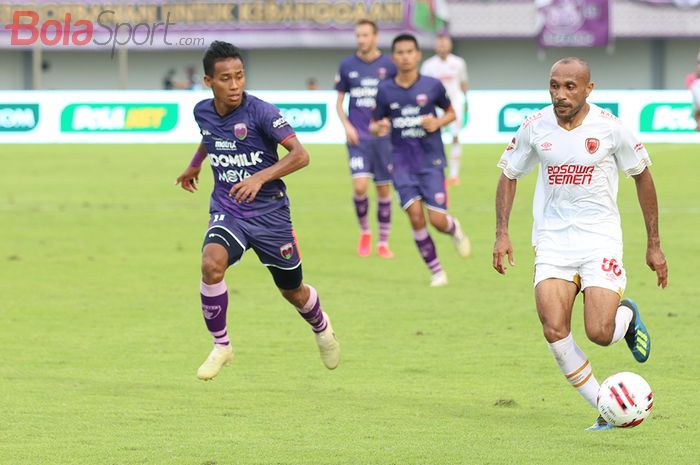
379 125
350 131
432 123
190 177
297 158
505 194
646 193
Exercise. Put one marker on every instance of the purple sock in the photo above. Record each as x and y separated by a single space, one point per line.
451 226
384 218
426 247
361 209
312 312
214 305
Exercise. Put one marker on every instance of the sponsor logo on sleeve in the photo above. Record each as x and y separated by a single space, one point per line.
279 122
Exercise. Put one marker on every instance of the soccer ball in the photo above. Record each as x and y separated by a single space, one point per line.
624 399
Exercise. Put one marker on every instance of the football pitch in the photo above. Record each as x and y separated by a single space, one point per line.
101 330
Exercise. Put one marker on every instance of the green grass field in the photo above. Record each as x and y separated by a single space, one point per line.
101 331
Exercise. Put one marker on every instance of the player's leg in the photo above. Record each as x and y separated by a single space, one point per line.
455 149
608 319
382 179
425 243
384 219
360 170
432 187
555 291
272 238
221 249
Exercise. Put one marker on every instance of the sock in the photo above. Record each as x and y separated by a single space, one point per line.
451 226
312 312
214 306
384 218
575 366
361 209
455 155
622 322
426 247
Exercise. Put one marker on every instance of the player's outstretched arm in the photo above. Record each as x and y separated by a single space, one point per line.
646 193
505 194
190 177
297 158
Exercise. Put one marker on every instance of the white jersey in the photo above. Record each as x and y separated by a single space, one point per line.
695 90
452 72
575 209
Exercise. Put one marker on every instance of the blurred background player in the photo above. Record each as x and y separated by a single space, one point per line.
369 156
695 91
578 237
451 70
409 101
249 205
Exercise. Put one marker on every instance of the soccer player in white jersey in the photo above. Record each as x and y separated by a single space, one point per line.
695 90
578 238
451 70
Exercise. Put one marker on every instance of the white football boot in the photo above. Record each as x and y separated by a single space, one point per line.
220 356
328 345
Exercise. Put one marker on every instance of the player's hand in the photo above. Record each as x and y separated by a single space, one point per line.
657 262
246 190
351 135
501 248
189 178
383 127
430 123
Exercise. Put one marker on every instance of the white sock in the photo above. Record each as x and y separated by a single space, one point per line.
455 154
622 322
576 368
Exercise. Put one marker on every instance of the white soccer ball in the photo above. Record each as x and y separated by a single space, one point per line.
625 399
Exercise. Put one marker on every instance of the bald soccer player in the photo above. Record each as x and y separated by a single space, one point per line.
577 235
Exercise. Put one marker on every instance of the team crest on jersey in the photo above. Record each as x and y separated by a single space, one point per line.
240 130
421 99
440 198
381 72
592 145
287 250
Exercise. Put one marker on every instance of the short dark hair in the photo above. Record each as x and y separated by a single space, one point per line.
218 51
404 38
367 22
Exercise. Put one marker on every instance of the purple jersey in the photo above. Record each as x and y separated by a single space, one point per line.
414 149
240 144
361 79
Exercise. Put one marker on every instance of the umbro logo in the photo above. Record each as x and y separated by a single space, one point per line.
394 106
545 146
353 74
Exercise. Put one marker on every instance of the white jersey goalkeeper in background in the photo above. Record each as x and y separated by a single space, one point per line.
578 239
451 70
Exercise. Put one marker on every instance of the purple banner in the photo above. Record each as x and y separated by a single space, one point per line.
678 3
573 23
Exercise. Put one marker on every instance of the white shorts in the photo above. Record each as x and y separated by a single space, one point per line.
456 125
605 271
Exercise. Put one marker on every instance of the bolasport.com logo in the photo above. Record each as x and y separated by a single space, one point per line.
51 29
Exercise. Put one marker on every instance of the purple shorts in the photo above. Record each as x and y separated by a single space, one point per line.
371 158
270 235
428 186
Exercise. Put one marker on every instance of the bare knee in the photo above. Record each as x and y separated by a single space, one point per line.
297 297
553 333
212 270
601 333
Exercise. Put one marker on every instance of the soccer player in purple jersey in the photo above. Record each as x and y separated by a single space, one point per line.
409 101
370 156
249 205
